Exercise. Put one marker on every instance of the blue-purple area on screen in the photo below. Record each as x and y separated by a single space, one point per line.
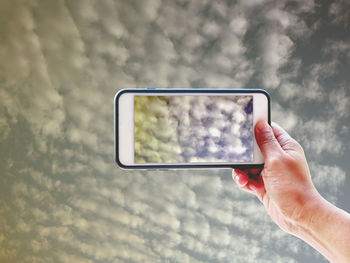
192 129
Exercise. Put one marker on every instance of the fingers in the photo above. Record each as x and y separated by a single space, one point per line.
278 130
240 177
284 139
258 187
253 186
254 172
266 140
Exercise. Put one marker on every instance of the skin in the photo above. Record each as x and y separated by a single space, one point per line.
285 188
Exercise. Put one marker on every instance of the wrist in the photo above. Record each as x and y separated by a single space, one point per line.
308 213
313 206
316 226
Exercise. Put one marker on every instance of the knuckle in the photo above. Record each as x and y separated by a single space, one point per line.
269 138
294 143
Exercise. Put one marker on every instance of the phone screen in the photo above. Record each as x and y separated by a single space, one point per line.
193 129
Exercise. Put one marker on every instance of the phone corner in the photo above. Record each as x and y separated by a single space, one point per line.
265 93
118 94
120 164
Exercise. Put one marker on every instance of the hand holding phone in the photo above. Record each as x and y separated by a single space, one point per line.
190 128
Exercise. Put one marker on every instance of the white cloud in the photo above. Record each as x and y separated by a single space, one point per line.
4 128
313 83
211 29
60 67
290 91
320 136
327 179
282 27
287 21
251 3
276 49
337 48
284 117
339 11
340 102
66 257
306 6
239 25
283 18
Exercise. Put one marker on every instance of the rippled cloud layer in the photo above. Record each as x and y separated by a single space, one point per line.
181 129
63 199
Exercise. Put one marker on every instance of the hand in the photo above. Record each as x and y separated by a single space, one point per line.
284 186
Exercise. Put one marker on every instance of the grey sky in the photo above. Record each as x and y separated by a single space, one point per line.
62 198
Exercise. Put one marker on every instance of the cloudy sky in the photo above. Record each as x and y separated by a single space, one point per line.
62 197
182 129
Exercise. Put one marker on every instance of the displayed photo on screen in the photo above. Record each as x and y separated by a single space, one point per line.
195 129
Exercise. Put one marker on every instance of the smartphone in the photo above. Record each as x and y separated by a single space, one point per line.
188 128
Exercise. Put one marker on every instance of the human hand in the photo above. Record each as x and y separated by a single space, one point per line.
284 185
285 188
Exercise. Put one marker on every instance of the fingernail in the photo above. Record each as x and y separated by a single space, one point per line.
239 181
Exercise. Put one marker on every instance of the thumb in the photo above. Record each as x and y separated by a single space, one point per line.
266 139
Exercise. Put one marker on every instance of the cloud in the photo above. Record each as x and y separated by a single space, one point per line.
4 128
281 28
176 130
61 64
304 85
284 117
339 99
320 136
337 48
29 89
335 178
339 12
276 49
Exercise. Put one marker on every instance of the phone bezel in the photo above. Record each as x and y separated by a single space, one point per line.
184 91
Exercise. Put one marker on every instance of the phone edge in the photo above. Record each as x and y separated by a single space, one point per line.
191 166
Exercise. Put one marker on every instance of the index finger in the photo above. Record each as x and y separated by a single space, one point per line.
283 138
